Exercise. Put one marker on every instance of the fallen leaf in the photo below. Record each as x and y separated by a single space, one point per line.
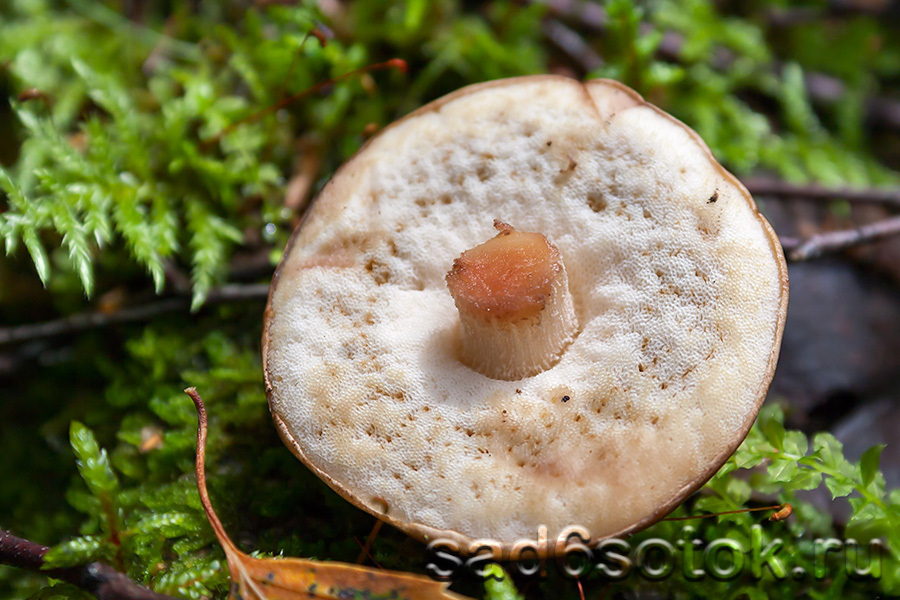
296 578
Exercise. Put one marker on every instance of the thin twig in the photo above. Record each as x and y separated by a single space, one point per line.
789 244
831 241
365 549
814 191
394 63
157 55
322 34
572 44
777 507
96 320
99 579
590 14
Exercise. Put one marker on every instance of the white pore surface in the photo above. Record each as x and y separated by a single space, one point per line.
678 301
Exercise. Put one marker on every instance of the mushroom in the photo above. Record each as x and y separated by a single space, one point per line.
515 311
588 359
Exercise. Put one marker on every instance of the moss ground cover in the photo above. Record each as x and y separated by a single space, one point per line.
120 186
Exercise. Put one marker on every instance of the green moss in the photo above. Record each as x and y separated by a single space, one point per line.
119 179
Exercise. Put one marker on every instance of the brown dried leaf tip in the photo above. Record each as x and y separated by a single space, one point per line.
294 578
782 513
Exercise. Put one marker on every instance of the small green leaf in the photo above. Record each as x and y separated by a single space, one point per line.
890 577
774 432
498 585
894 498
61 591
783 469
830 452
795 443
37 252
169 524
828 448
738 490
211 237
798 112
77 551
869 521
75 240
806 479
868 464
838 486
193 542
85 272
93 463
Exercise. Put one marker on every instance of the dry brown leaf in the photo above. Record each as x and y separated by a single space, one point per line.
296 578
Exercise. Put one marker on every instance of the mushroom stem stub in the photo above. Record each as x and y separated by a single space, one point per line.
515 311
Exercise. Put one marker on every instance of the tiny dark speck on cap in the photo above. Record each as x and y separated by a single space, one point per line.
565 398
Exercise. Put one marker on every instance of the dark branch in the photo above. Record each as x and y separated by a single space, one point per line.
21 553
97 578
814 191
95 320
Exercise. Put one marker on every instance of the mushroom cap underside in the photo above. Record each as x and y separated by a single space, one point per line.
679 285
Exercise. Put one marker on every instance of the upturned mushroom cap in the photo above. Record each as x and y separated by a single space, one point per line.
679 287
